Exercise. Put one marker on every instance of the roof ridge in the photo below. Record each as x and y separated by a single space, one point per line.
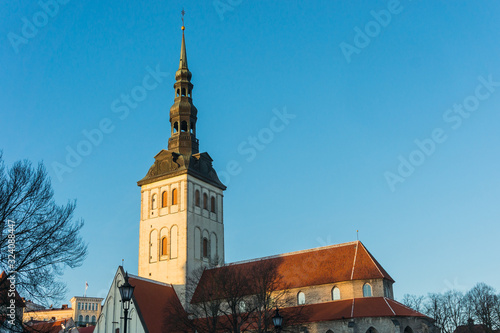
354 262
149 280
390 307
289 253
373 261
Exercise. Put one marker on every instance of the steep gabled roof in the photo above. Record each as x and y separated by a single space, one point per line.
324 265
152 300
355 308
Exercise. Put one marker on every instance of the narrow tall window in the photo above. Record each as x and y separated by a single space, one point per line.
205 201
197 198
335 294
153 201
164 199
164 246
301 298
212 204
87 318
176 127
93 319
80 318
174 196
205 248
367 290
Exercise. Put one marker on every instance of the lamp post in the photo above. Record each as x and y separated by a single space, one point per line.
277 320
126 291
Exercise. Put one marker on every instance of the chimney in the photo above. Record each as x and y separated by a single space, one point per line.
64 306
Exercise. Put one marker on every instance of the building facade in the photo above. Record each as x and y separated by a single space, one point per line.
83 311
341 288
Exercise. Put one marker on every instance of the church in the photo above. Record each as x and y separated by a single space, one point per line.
338 288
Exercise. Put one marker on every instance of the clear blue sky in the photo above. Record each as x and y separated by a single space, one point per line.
318 179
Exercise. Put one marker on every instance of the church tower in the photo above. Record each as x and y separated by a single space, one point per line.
181 227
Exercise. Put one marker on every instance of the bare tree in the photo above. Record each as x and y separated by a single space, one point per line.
455 308
483 301
38 238
435 308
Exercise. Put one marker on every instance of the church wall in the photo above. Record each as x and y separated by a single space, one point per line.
158 222
204 223
348 290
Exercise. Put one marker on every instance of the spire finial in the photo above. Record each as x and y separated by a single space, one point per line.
182 18
183 61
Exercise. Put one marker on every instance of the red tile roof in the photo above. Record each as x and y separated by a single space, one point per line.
152 300
48 326
355 308
88 329
330 264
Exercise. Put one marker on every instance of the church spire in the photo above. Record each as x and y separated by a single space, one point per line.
183 63
183 113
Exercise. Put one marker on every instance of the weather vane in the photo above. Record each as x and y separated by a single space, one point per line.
183 12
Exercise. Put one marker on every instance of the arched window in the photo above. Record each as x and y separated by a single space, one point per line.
335 294
301 298
205 201
197 198
242 307
178 92
93 319
174 196
212 204
205 247
329 331
87 318
367 290
164 246
408 330
164 199
176 127
371 330
184 126
80 318
153 201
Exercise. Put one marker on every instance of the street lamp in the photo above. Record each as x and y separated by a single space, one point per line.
277 320
126 291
